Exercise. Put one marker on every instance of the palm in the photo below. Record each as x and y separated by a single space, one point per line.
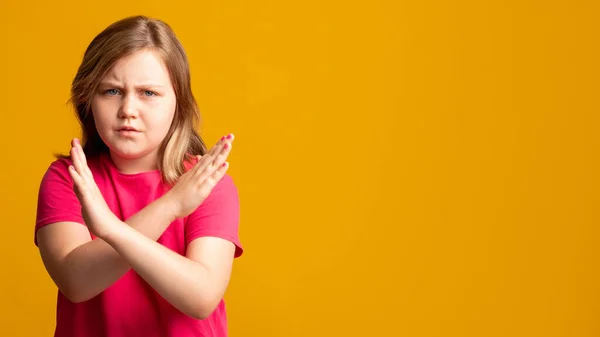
195 186
94 209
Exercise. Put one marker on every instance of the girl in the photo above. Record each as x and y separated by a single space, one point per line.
138 226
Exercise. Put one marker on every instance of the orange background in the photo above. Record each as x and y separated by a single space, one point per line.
406 168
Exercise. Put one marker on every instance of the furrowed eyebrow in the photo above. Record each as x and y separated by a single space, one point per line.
142 85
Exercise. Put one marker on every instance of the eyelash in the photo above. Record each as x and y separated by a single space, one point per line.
152 93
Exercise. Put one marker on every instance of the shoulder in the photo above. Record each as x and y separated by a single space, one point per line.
223 199
56 181
226 185
223 196
218 215
58 169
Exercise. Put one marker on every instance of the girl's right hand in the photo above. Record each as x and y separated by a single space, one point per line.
194 186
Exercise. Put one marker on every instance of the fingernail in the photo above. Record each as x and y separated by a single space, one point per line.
223 138
225 146
229 136
224 164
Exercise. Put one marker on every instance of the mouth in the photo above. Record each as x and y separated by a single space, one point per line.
128 128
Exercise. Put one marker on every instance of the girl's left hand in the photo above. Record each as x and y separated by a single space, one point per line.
98 217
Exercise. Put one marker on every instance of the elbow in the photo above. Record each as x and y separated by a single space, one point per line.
204 310
74 295
199 316
77 300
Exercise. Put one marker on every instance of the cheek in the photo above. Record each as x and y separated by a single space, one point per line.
168 113
166 124
162 118
100 113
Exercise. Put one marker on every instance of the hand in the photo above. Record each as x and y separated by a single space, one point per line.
194 186
97 215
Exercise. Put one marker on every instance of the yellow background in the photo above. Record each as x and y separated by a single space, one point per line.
406 168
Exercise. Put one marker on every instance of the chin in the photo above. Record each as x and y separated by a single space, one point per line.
129 151
127 155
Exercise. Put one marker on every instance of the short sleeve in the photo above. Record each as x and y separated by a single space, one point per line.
57 201
218 215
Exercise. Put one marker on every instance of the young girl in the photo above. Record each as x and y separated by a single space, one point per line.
138 226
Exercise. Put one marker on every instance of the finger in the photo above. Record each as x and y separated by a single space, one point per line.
202 164
220 172
83 158
194 168
75 158
224 142
216 176
217 163
217 147
222 156
227 139
212 152
77 181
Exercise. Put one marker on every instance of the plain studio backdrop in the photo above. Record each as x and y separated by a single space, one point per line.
405 168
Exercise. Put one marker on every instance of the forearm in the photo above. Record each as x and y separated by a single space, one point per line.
183 282
95 265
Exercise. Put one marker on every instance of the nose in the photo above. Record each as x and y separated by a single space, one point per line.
128 107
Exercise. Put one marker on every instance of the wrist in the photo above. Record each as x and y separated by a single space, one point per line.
113 228
168 205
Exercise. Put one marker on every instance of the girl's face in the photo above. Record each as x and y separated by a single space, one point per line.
133 109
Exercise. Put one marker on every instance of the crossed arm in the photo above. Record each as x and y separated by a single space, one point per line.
82 268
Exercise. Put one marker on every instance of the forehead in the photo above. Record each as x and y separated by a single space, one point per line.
140 66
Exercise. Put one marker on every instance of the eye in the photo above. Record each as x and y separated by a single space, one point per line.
149 93
112 92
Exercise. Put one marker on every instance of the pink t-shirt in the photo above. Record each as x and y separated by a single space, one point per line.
130 307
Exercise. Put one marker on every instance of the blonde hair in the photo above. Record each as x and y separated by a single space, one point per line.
122 38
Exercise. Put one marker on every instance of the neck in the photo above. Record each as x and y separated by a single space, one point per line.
141 164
